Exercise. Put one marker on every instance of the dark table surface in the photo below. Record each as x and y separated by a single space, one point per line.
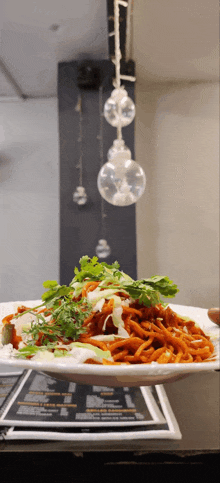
195 403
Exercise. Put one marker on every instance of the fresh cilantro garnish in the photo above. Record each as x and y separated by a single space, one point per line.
70 316
143 293
93 270
42 328
146 291
162 284
51 298
67 323
54 293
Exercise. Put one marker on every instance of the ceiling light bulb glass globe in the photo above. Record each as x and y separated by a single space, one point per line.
121 181
118 146
80 196
103 250
119 109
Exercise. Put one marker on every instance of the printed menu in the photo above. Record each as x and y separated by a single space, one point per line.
66 410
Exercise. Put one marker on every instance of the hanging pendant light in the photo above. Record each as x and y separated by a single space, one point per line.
103 250
121 181
119 109
117 147
80 196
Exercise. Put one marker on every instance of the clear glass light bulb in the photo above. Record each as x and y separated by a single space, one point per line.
121 181
103 250
80 196
119 109
118 146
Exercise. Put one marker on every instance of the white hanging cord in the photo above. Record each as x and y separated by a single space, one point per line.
116 33
124 4
118 76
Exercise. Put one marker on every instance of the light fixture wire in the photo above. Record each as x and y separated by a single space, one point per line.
117 59
117 44
101 156
79 166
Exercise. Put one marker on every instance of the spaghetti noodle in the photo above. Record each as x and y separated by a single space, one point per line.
147 334
155 334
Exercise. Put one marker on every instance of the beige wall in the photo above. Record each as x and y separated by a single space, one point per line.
177 143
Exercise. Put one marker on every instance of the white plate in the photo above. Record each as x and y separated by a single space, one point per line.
132 375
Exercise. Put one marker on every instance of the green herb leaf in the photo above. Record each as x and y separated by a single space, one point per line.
162 284
147 291
50 283
55 292
67 324
91 269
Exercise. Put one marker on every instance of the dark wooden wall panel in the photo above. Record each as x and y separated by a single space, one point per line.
81 226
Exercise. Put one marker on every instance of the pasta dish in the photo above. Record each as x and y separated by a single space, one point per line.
105 317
